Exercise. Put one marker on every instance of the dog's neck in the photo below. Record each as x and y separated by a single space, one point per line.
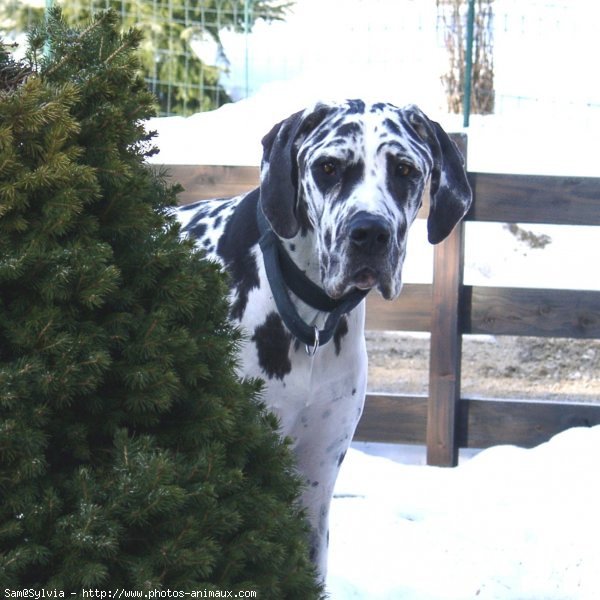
309 313
312 305
302 249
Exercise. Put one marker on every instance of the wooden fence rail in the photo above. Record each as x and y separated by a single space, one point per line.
443 420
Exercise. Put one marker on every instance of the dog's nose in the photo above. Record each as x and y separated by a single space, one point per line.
369 233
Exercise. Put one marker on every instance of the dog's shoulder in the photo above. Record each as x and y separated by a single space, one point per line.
227 231
204 221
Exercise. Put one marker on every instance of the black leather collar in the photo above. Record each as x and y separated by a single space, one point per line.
284 274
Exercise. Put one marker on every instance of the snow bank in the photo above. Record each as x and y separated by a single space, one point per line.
510 524
543 142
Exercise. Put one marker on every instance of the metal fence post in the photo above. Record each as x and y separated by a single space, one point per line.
468 64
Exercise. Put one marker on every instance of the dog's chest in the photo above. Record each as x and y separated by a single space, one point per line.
303 390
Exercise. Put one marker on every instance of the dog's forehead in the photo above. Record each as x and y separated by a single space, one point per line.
366 128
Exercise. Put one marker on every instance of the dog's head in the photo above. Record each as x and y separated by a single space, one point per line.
354 175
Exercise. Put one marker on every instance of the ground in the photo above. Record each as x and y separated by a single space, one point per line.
494 367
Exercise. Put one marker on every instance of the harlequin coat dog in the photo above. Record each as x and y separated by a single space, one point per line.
340 186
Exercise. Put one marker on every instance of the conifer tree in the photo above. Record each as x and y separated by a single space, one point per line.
131 457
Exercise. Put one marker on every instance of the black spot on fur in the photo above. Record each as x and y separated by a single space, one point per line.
379 106
355 107
403 187
337 121
302 216
240 234
318 137
392 127
273 345
340 331
353 175
323 512
219 208
348 130
196 227
341 458
402 229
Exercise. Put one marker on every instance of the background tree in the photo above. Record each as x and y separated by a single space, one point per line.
181 81
131 457
452 15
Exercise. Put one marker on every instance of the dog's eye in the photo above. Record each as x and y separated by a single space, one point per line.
328 167
403 170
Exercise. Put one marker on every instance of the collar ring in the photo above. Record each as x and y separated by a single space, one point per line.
312 351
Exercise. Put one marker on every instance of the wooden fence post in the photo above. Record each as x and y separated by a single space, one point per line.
446 344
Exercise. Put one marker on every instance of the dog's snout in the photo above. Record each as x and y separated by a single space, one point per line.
369 233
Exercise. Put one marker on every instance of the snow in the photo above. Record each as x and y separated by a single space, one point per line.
510 143
507 524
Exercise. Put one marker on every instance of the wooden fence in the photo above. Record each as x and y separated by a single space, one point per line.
447 308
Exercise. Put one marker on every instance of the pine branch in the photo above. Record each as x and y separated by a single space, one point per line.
12 73
55 17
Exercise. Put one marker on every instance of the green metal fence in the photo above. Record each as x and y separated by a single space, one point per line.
182 53
404 48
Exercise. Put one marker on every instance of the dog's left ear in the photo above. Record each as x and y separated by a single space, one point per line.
279 169
451 194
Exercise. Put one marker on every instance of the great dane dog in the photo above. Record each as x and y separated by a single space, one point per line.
340 185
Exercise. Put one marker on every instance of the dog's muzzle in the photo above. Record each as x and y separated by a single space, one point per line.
369 246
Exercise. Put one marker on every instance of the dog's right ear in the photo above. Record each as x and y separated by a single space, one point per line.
279 169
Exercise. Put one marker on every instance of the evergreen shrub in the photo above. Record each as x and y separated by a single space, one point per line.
131 456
